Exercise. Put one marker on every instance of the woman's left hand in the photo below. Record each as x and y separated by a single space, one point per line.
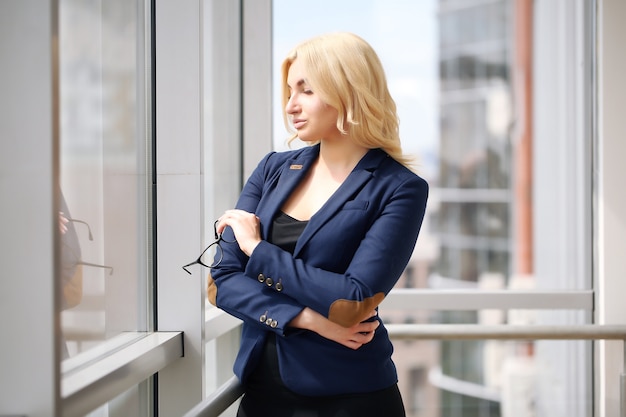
246 227
352 337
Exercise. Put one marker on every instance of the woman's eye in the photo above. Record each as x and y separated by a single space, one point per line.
308 92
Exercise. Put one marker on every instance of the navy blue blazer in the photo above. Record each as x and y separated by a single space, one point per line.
349 256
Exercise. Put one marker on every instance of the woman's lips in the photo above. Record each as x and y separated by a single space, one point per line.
298 123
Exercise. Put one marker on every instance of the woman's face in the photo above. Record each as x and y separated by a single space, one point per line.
313 119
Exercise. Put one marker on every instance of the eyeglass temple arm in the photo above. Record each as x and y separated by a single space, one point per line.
85 223
197 261
97 266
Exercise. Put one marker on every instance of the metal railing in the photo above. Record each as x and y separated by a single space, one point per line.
216 403
228 393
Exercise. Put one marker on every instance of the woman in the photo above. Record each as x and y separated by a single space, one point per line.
322 235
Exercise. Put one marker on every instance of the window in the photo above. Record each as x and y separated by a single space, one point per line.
101 135
462 74
105 171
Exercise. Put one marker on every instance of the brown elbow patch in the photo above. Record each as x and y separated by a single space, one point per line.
347 313
211 290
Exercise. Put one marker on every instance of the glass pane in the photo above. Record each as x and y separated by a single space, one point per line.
134 402
104 172
486 379
222 165
456 70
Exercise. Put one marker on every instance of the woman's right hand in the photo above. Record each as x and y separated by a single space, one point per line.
352 337
246 227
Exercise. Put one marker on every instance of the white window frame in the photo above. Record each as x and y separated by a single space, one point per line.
29 381
610 200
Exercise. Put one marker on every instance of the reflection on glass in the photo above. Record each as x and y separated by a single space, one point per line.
70 251
82 222
103 170
71 269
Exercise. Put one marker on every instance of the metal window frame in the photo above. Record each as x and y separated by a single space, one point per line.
29 381
88 386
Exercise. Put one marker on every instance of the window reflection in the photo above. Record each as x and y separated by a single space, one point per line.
103 170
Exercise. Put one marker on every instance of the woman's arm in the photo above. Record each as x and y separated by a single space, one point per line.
282 312
230 289
368 245
375 246
353 337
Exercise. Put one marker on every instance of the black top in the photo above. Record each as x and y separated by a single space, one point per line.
285 231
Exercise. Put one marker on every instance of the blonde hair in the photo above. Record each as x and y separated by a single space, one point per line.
347 74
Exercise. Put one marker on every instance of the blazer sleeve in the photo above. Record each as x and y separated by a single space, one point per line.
231 290
347 298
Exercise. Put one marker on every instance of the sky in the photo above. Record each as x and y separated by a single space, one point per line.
403 33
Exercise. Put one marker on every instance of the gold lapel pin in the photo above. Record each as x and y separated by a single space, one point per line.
294 166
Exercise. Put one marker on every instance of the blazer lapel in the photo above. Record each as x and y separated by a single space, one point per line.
291 174
360 175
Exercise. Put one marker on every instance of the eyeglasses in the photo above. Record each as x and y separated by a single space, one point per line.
82 222
213 254
110 268
74 258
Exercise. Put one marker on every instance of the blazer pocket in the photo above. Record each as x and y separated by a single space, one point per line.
356 205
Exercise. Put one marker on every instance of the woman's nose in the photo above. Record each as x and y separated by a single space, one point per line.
291 106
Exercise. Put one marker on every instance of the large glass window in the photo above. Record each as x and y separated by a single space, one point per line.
105 162
461 73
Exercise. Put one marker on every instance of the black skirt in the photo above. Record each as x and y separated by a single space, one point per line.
267 396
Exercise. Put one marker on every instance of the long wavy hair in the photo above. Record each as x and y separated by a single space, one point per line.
347 74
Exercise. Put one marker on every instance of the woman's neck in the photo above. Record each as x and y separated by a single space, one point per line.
341 156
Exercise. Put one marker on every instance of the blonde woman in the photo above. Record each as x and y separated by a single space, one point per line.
320 236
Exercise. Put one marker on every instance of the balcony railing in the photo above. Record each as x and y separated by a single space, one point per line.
229 392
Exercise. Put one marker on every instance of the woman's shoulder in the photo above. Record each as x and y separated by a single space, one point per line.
399 172
276 159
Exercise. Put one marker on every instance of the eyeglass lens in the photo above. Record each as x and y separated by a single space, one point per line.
212 256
